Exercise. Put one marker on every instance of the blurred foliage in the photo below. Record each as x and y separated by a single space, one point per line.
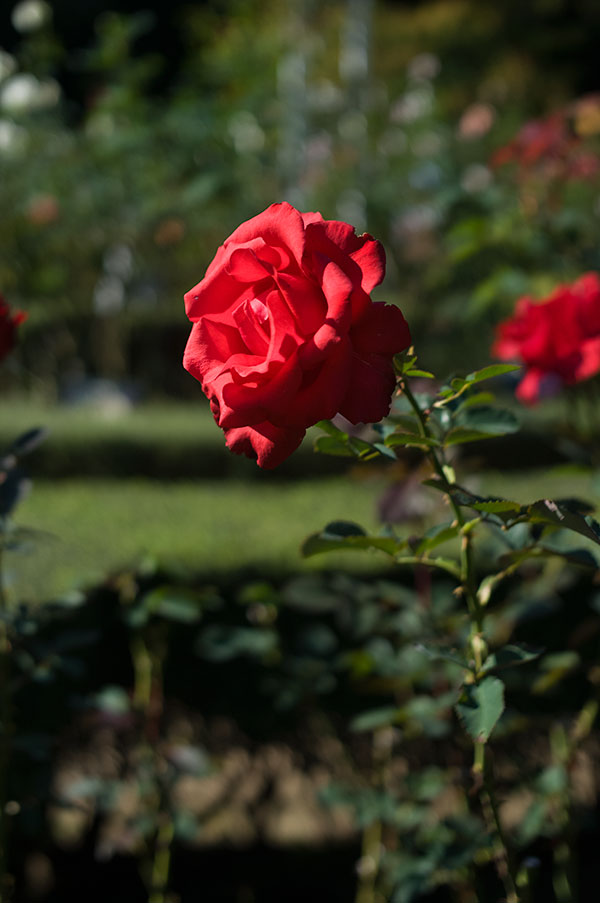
293 662
380 114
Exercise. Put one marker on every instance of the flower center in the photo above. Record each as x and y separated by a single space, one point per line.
251 317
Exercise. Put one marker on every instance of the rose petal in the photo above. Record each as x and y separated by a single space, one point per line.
366 252
268 444
589 364
382 330
528 390
208 348
321 393
369 392
247 402
279 225
305 300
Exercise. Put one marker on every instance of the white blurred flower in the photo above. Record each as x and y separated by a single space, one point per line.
109 295
23 92
247 135
118 261
413 105
12 137
30 15
476 177
8 64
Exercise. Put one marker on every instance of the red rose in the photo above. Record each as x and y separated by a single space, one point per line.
557 340
285 333
8 328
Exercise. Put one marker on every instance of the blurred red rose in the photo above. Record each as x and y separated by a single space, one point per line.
552 146
285 333
8 327
557 339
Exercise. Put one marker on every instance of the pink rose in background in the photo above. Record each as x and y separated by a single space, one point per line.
557 339
285 333
9 321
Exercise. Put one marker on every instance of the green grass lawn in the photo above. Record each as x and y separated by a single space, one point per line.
96 526
168 420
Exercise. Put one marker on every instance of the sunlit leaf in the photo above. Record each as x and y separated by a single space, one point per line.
488 372
344 535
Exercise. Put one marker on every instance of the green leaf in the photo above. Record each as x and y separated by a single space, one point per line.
375 718
488 372
328 427
480 707
422 374
342 528
509 657
318 543
436 536
331 445
26 442
561 515
472 401
411 439
496 506
488 419
577 557
408 423
384 450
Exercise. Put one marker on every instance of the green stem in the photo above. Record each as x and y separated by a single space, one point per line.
161 864
142 669
504 861
147 655
370 860
467 577
481 767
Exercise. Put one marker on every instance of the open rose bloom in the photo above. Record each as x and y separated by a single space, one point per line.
557 340
285 333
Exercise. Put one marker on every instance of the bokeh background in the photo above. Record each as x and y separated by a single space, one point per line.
133 139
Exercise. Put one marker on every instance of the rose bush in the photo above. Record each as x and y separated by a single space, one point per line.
557 340
9 321
285 333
